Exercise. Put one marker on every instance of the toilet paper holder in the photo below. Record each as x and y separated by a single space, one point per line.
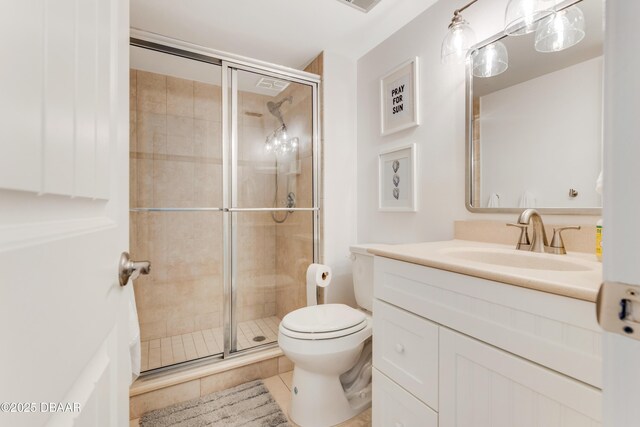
127 269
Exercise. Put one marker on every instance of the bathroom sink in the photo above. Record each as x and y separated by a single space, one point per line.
574 275
517 259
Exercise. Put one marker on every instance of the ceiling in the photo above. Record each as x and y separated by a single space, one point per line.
284 32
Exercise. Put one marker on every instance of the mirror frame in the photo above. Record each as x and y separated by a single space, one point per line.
469 151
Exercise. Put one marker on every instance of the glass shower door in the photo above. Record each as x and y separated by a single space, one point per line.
223 201
176 200
273 208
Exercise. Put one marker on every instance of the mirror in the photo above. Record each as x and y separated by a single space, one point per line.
534 132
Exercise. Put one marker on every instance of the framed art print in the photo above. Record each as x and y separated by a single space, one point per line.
397 179
399 98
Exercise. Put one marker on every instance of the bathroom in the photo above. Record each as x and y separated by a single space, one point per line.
233 144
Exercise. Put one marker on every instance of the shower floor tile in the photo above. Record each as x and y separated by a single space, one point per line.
167 351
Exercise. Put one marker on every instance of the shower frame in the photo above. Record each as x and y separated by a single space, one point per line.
230 65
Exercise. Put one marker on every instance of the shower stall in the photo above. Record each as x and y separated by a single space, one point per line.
224 198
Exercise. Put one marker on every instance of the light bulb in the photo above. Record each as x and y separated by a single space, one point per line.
522 16
457 42
561 30
490 60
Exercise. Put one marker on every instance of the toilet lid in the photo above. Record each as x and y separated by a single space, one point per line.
323 335
323 318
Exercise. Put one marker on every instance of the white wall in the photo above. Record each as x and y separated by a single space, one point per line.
339 175
440 137
554 139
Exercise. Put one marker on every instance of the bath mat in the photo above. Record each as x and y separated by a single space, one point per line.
247 405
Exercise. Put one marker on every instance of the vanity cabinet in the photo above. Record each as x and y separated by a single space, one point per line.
482 386
471 352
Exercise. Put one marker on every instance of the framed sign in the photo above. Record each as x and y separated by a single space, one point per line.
397 179
399 98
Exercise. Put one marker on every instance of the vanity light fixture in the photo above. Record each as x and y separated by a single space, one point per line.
522 16
459 38
490 60
561 30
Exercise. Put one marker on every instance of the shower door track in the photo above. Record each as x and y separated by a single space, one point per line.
230 64
224 209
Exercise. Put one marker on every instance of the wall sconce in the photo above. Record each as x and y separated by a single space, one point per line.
458 40
561 30
556 30
490 60
522 16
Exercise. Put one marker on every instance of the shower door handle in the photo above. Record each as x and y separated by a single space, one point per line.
128 269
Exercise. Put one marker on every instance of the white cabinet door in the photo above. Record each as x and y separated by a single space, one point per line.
63 212
405 348
395 407
482 386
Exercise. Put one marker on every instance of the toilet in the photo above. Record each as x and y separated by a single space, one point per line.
330 348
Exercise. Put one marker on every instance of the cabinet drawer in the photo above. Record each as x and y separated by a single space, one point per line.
394 407
405 348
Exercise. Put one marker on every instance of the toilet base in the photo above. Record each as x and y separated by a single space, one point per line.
308 410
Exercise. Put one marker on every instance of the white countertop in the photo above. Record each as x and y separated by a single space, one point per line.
581 280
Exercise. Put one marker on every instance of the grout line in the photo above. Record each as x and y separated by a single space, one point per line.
282 379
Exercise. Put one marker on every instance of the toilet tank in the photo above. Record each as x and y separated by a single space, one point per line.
362 269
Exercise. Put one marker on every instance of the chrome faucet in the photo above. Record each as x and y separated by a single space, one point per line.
539 242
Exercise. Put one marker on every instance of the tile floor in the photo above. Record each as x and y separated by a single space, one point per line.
180 348
280 388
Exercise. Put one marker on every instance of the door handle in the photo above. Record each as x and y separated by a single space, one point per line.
618 308
128 269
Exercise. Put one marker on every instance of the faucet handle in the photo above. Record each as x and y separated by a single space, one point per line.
557 244
523 242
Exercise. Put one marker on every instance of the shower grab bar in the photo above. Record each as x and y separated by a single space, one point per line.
175 209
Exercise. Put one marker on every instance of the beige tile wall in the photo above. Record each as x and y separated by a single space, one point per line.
295 236
176 161
256 259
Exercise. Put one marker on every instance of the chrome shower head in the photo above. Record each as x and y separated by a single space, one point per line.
274 107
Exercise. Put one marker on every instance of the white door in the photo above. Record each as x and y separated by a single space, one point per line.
63 212
621 216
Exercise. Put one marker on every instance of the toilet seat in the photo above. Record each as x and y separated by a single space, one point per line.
320 322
